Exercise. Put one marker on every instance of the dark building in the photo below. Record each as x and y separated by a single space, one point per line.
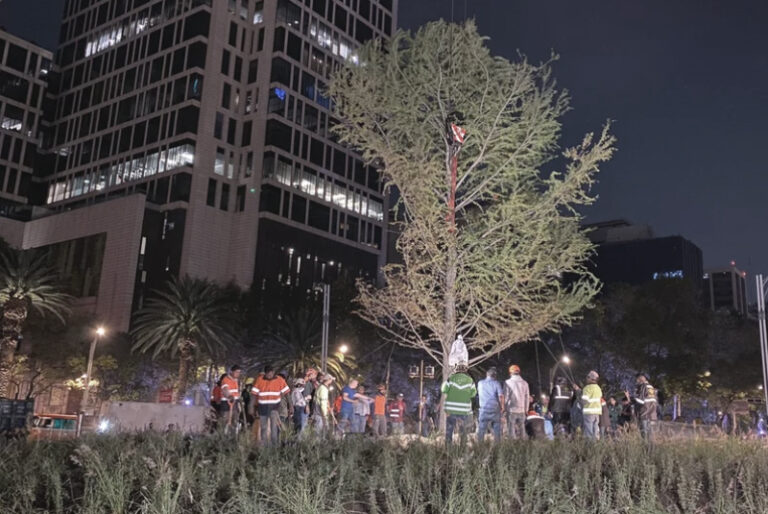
726 289
630 254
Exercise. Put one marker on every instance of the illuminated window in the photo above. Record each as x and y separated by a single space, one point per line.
218 167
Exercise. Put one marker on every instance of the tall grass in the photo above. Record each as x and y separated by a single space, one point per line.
215 474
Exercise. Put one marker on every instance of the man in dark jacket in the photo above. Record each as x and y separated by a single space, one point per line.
645 405
560 402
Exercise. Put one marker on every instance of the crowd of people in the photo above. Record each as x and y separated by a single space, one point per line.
509 409
314 403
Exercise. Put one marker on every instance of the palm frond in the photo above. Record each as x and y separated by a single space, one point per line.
25 275
185 310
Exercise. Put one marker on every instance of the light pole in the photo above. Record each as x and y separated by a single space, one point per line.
326 322
760 284
98 334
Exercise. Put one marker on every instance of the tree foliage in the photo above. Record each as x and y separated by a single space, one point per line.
188 317
662 328
495 274
292 343
26 282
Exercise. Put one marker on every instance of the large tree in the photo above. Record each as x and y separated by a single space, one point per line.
494 252
188 317
26 282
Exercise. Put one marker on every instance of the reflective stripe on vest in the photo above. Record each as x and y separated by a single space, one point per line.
459 406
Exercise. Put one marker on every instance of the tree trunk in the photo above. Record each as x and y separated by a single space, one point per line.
14 315
185 357
449 319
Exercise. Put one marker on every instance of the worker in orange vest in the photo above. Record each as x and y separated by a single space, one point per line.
230 396
380 411
268 390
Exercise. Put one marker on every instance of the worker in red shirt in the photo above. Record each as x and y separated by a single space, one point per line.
267 390
396 410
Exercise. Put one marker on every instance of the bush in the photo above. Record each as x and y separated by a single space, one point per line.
172 474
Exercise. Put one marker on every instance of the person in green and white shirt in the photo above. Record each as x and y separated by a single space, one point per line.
592 408
459 390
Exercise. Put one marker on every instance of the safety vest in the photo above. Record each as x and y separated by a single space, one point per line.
380 405
268 392
396 411
229 388
459 390
590 397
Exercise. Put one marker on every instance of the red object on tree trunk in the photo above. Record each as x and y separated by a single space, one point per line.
458 134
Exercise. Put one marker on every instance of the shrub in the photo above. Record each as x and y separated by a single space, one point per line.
172 474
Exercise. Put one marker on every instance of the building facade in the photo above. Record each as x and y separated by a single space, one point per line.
24 73
214 113
726 289
630 254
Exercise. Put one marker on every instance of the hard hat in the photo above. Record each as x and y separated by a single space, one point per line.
249 381
592 375
514 369
298 382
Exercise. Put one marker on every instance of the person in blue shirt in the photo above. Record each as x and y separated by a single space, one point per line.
491 397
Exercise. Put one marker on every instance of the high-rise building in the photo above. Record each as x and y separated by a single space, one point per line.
630 254
193 136
726 289
24 72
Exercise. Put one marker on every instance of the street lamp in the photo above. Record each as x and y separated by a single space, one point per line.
98 334
344 348
564 360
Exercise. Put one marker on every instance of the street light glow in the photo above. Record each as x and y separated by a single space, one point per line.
100 331
566 360
343 348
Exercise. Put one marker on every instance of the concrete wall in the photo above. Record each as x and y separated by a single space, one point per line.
121 219
141 416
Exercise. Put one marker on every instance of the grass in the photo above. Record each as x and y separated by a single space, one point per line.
215 474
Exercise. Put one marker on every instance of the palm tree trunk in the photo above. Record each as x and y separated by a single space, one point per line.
14 315
185 357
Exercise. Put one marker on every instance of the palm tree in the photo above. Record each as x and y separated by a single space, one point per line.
187 317
26 282
293 343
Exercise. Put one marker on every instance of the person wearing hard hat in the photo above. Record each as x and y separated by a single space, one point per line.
645 403
458 390
380 411
560 403
590 400
517 398
396 410
323 413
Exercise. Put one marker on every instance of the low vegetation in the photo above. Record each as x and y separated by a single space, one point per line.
172 474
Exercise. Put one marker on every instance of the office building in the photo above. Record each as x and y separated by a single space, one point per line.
726 289
24 73
630 254
191 137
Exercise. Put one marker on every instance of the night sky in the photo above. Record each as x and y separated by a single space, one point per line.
686 82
